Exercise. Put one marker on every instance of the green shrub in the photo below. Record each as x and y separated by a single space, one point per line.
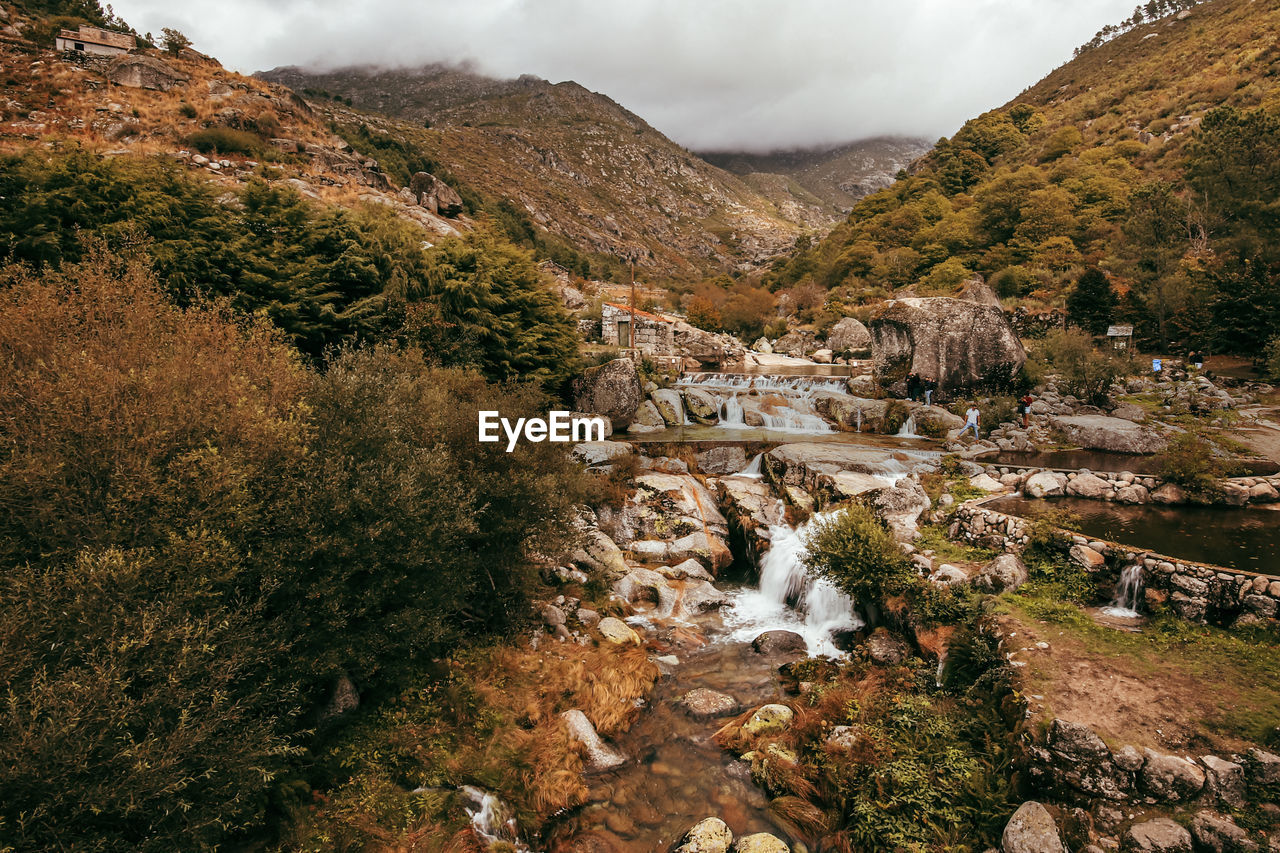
224 140
1190 463
854 551
1086 371
895 415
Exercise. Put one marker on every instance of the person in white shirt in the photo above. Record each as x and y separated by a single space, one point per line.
971 420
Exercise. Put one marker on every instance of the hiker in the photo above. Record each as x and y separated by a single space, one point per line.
913 386
1026 402
1196 359
971 420
929 387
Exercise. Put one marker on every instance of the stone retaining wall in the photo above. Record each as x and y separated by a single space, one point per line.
1127 487
1197 592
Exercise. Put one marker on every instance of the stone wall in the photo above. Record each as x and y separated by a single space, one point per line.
1127 487
652 335
1197 592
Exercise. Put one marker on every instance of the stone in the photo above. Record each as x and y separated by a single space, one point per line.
948 575
601 454
600 757
1003 574
935 421
689 569
886 649
1045 484
1170 778
679 512
1263 767
1082 761
144 72
710 835
702 703
768 719
822 356
670 405
779 642
1159 835
760 842
986 482
1090 559
1099 432
763 346
706 348
435 195
1169 493
611 390
899 507
722 460
1217 833
646 419
1130 412
344 698
701 406
587 617
1134 494
1088 485
616 631
1031 830
797 343
849 335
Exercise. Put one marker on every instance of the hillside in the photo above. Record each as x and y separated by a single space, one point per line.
575 162
1152 156
840 176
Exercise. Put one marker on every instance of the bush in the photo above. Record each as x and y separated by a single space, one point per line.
854 551
1271 360
224 140
1190 463
1087 372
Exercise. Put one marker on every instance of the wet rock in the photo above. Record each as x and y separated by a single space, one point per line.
852 414
1099 432
615 630
810 464
701 406
768 719
688 570
1170 778
599 756
670 405
611 390
1160 835
1031 830
849 335
1217 833
710 835
702 703
1087 485
1003 574
760 842
886 649
779 642
722 460
1225 780
1045 484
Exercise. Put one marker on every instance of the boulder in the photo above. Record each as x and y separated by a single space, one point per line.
1045 484
601 454
1087 485
646 419
1263 767
821 356
935 421
1080 760
851 414
1217 833
1087 558
977 290
670 405
437 196
706 348
616 631
702 406
899 507
1159 835
1170 778
1003 574
760 842
702 703
986 482
1099 432
750 505
599 756
849 335
763 346
886 649
611 390
768 719
808 465
678 510
958 344
710 835
948 575
1130 412
1169 493
1031 830
722 460
779 642
797 343
1225 779
144 72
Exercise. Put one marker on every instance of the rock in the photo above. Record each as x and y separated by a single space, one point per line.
702 703
144 72
1219 834
646 419
768 719
821 356
710 835
1170 778
1130 412
599 756
679 512
1045 484
601 454
587 617
760 842
986 482
977 290
899 507
779 642
851 413
849 335
935 421
611 390
706 348
615 630
806 464
640 584
1088 485
722 460
1134 494
1090 559
1169 493
1031 830
1003 574
435 195
763 346
958 344
701 406
797 343
886 649
670 405
1263 767
344 699
1160 835
689 569
948 575
1082 761
1225 779
1098 432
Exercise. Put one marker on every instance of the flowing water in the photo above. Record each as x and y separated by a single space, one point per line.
908 428
1128 594
754 469
748 382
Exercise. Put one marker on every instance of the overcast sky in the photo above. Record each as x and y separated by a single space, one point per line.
712 74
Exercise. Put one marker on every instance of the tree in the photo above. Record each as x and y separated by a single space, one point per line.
855 551
174 41
702 312
1092 301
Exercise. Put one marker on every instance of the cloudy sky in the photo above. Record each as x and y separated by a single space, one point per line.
712 74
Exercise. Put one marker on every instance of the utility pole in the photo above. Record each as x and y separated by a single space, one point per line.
632 342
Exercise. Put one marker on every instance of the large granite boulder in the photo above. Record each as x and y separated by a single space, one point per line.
611 390
702 406
706 348
899 507
849 335
435 195
797 343
718 461
752 508
808 464
144 72
646 419
1099 432
678 518
670 405
851 414
958 344
1169 777
1159 835
977 290
1031 830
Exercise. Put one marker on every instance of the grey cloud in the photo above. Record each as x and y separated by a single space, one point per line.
754 74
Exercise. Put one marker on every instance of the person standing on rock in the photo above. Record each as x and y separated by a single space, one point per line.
1026 402
913 386
971 420
929 387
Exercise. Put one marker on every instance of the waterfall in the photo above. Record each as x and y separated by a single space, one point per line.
790 599
754 468
859 419
1128 594
908 428
791 420
782 384
492 822
731 413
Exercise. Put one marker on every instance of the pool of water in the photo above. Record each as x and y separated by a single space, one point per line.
1102 460
1246 538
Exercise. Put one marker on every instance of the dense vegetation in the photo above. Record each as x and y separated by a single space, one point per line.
1106 163
201 533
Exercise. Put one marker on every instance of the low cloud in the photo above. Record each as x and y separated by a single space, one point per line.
712 74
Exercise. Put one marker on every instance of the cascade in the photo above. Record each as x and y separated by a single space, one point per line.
754 468
908 429
731 413
859 419
1128 593
747 382
492 821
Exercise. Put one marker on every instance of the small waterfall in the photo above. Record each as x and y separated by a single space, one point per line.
789 599
492 822
790 420
942 669
859 419
908 429
754 468
748 382
1128 594
731 413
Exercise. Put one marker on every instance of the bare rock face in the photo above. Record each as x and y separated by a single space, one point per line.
435 195
1098 432
707 348
611 390
958 344
1031 830
977 290
144 72
849 335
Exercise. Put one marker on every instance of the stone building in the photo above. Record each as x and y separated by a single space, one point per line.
94 41
653 335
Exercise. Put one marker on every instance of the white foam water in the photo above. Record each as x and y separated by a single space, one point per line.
1128 594
492 821
746 382
754 469
908 429
790 599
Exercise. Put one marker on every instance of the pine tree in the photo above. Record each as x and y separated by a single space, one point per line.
1091 303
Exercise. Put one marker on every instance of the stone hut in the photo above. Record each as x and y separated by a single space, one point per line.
653 334
93 41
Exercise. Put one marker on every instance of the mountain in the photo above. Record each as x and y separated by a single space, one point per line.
574 162
1154 156
839 176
